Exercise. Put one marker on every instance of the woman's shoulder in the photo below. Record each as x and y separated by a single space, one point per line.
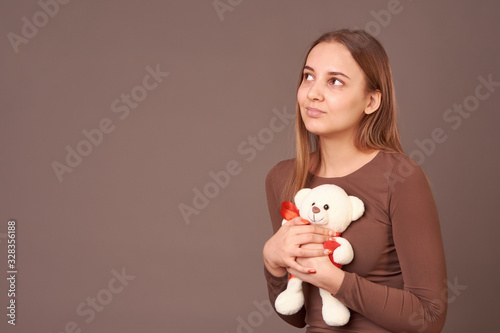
392 158
396 162
401 169
281 170
284 166
279 174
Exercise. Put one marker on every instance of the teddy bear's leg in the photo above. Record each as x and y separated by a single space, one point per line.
334 312
291 300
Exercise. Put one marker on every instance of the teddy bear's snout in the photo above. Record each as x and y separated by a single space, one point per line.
315 210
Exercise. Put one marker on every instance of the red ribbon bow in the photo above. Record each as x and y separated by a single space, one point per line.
289 210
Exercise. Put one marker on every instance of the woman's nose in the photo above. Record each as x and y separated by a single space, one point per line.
315 92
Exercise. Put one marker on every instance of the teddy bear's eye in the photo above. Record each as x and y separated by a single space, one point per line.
326 207
313 204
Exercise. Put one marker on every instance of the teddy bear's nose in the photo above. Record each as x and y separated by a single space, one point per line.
315 210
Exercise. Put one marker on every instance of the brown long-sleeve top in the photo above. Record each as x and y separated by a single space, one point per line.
397 280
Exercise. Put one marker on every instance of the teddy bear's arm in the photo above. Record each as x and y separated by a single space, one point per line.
343 254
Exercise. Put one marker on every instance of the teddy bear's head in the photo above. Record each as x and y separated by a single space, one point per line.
329 206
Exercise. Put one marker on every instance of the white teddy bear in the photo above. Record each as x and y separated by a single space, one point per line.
327 206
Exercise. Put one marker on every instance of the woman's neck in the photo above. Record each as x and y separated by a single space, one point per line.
341 157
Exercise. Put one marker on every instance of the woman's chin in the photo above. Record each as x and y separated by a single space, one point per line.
329 131
317 130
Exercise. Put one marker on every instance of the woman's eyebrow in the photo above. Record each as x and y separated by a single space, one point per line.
329 73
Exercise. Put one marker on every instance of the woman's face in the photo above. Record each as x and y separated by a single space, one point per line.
332 96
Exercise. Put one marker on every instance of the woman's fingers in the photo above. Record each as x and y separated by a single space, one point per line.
310 250
304 240
310 238
297 235
308 228
296 239
294 265
298 221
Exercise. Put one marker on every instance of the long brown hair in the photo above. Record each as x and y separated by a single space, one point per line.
377 130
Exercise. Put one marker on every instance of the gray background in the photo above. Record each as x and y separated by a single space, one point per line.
119 208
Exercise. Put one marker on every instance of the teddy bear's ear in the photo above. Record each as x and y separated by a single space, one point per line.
299 197
358 207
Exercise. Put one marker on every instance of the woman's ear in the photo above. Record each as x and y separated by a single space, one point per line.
374 99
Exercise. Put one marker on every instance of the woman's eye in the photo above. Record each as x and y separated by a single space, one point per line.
308 77
336 82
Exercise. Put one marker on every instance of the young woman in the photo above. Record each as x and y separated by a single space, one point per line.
346 134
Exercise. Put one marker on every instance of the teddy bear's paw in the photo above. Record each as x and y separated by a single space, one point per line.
343 254
289 302
342 257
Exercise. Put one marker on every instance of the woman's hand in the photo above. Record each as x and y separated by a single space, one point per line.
327 277
281 250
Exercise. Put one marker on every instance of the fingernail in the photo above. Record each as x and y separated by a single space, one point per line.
305 221
327 252
331 233
312 271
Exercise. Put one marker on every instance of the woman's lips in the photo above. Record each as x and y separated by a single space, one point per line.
312 112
